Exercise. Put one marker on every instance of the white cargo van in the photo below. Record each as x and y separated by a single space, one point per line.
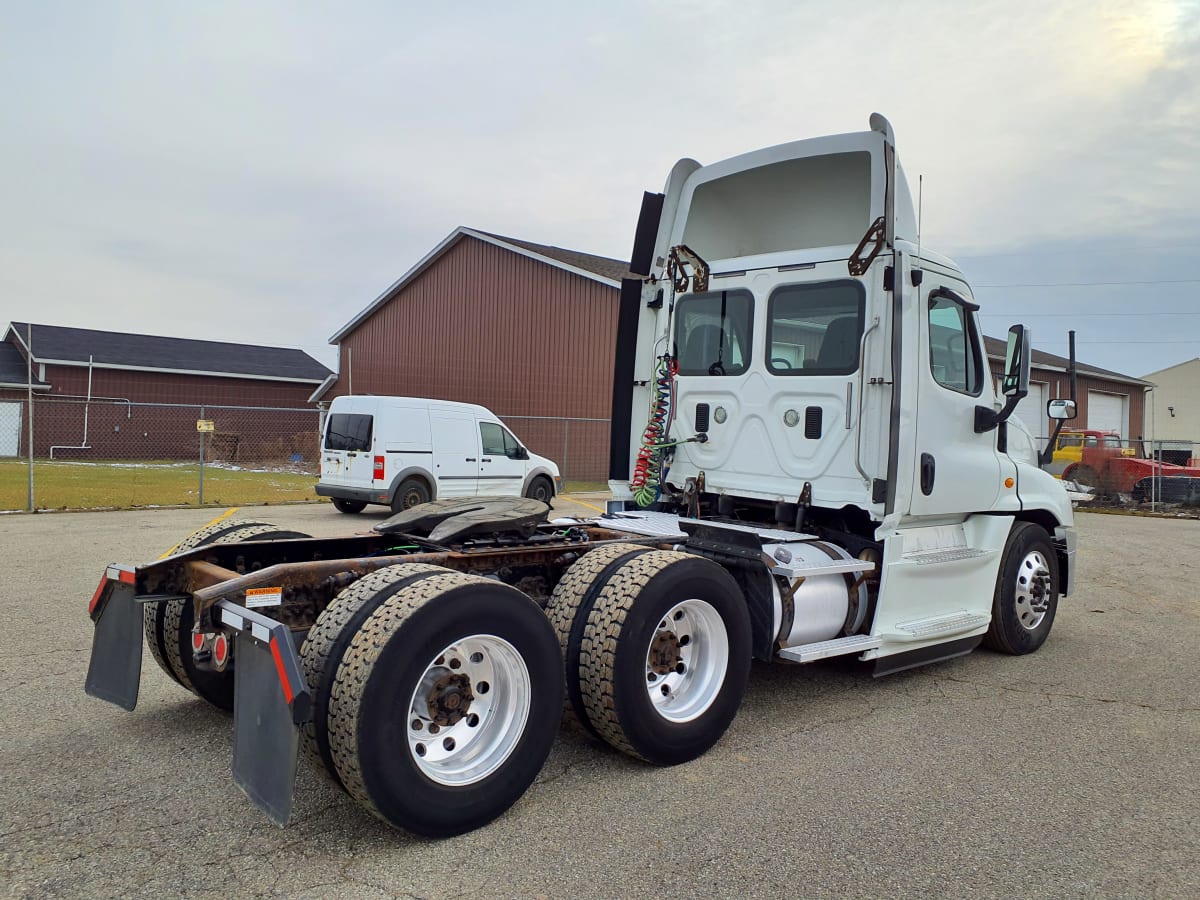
401 451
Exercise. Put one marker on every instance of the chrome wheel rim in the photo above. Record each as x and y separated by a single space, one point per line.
469 710
686 661
1032 590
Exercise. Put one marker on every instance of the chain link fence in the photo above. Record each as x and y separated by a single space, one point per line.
1130 473
105 454
579 446
114 454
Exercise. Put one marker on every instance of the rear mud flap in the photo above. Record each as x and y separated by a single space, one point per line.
270 700
115 669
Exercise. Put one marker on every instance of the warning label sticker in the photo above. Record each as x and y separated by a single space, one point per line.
268 596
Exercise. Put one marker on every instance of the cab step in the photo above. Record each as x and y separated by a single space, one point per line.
932 557
798 568
940 626
855 643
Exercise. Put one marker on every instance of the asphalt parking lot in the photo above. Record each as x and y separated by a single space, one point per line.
1069 772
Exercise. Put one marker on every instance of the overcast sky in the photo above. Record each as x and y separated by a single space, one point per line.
259 172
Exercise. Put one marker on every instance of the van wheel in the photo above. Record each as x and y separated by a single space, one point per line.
540 489
665 657
350 507
412 492
446 704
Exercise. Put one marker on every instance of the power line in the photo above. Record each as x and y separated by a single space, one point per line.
1089 315
1056 284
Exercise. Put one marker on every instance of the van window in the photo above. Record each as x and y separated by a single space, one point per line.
349 431
498 441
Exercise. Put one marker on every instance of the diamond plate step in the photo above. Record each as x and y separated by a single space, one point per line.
797 568
856 643
941 625
931 557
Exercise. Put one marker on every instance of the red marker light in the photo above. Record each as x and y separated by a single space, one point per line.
377 473
197 641
221 650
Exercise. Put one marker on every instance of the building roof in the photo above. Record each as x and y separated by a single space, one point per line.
57 345
597 268
1185 364
997 349
14 370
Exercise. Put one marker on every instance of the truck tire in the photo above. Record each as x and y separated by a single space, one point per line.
541 488
412 492
569 608
327 640
152 613
665 656
178 616
349 507
1026 598
446 704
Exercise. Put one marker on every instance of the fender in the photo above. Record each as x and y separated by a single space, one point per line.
418 471
540 470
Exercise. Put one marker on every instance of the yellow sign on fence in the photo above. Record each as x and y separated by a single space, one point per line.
205 425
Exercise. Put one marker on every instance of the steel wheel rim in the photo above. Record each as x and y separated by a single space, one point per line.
693 635
476 734
1032 590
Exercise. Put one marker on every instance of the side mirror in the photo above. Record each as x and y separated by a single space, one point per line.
519 453
1015 384
1016 363
1061 409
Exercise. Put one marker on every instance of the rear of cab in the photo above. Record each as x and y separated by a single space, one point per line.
398 451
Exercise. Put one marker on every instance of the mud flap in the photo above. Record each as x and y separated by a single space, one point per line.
115 669
270 699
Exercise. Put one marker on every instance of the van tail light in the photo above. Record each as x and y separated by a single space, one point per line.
377 474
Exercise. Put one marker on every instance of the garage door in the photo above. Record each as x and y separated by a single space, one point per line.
10 429
1032 411
1107 412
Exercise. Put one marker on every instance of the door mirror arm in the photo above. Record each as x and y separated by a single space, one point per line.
1015 382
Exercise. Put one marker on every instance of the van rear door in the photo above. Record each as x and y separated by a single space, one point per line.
346 449
455 453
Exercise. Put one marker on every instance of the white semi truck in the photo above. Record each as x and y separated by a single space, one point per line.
809 459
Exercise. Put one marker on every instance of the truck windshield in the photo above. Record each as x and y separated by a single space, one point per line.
712 333
814 329
1113 442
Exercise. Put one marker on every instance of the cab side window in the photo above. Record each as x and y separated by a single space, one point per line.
954 346
492 437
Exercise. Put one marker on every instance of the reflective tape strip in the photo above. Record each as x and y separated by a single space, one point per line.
123 574
233 620
96 596
279 667
260 633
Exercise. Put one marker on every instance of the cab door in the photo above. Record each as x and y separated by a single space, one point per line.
956 470
501 461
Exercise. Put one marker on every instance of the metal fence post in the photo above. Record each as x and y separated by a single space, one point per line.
29 363
566 448
201 459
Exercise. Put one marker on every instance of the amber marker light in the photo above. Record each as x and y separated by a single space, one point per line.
1008 482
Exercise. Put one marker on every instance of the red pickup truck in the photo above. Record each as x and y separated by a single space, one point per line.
1102 460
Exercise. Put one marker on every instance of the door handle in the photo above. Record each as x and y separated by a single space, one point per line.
927 473
471 459
486 459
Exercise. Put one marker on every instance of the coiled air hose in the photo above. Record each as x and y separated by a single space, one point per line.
646 483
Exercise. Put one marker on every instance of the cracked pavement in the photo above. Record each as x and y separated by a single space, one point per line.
1069 772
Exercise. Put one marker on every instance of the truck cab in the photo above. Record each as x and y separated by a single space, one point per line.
809 365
